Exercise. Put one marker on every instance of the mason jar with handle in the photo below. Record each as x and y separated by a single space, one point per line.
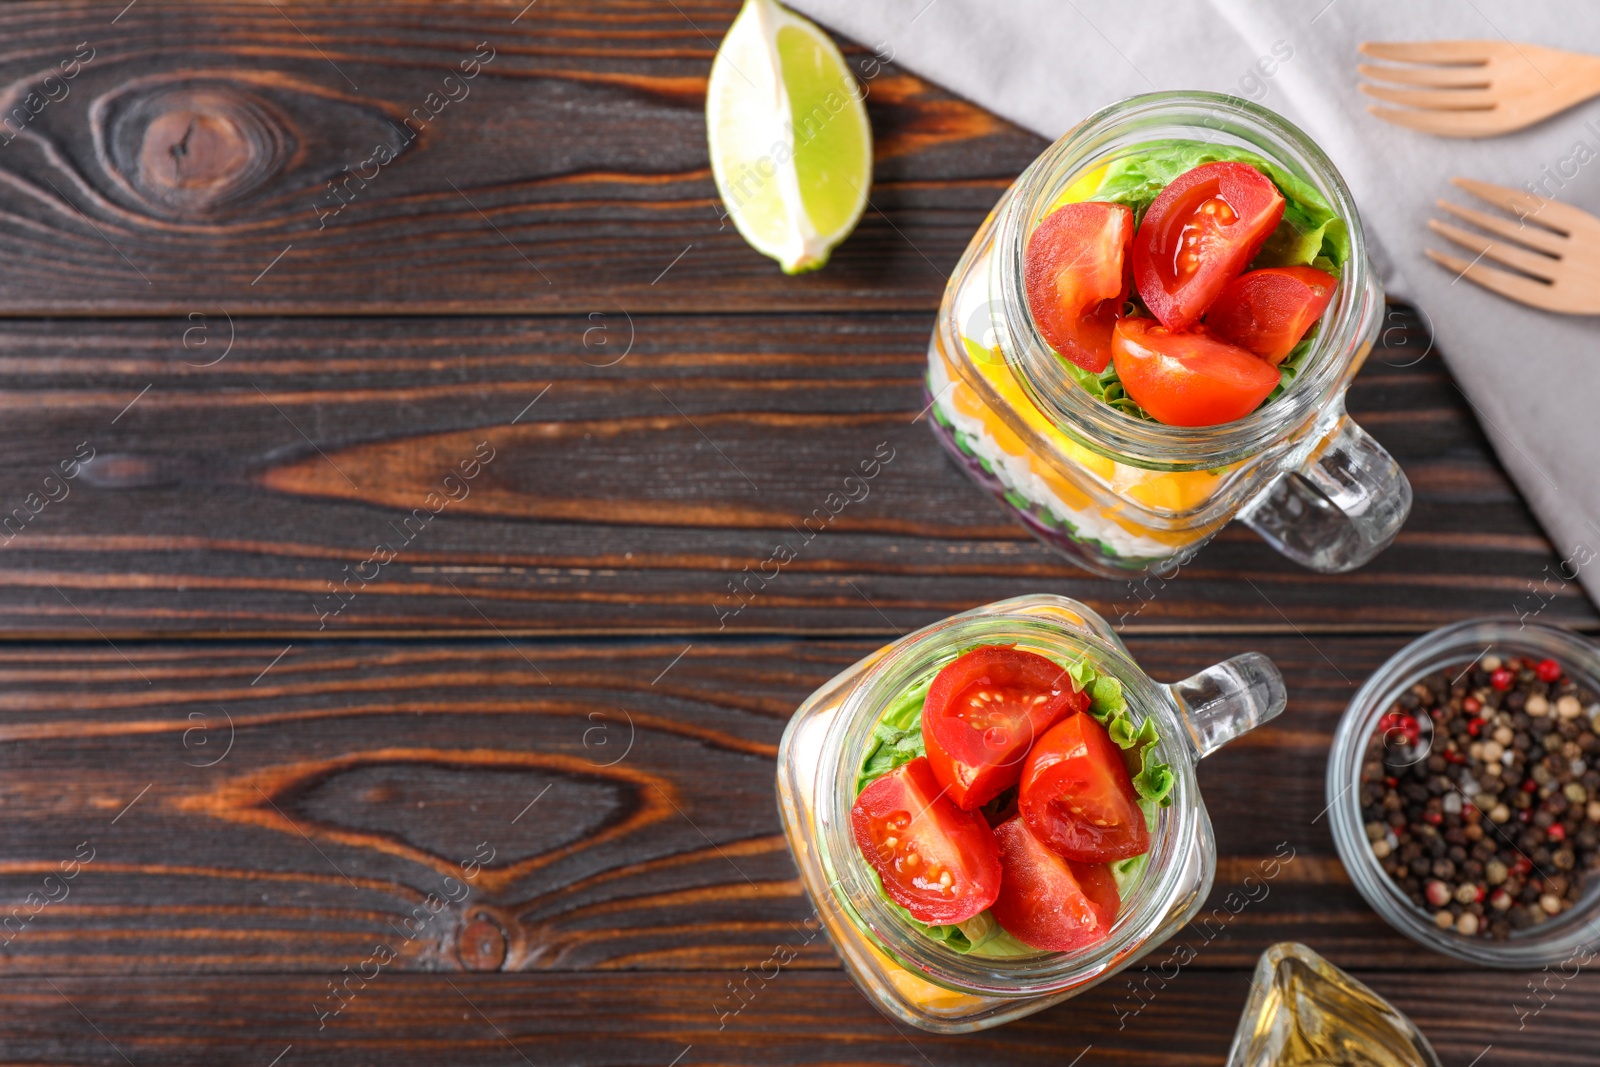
922 981
1118 494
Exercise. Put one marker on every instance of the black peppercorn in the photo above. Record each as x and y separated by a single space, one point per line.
1536 760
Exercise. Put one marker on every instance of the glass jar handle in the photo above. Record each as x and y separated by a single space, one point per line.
1342 506
1229 699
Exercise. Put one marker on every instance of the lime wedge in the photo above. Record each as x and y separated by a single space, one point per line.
791 149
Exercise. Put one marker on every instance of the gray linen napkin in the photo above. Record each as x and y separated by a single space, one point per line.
1532 377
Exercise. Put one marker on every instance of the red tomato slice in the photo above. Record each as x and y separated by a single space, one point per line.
1098 884
1076 271
984 711
1198 234
1188 379
1077 795
1048 902
938 862
1268 311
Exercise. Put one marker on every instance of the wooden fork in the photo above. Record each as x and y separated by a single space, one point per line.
1555 246
1476 88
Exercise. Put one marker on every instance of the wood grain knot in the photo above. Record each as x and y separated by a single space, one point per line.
191 149
377 800
481 946
121 470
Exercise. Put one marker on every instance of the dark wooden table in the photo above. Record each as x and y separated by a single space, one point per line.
261 785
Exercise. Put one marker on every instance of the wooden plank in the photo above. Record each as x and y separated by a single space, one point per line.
256 808
304 158
644 469
798 1019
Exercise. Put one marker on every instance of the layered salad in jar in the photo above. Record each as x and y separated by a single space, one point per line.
1180 284
1006 803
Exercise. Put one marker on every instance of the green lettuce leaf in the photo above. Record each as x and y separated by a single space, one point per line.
897 739
1292 364
1128 872
1297 244
1082 675
1152 779
1106 387
980 935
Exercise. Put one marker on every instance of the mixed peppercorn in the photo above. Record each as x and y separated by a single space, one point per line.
1481 794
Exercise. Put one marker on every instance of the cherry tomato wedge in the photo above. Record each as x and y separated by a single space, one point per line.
938 862
1198 234
984 711
1048 902
1076 272
1268 311
1190 378
1077 795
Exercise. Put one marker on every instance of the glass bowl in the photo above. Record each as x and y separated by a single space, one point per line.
1553 942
